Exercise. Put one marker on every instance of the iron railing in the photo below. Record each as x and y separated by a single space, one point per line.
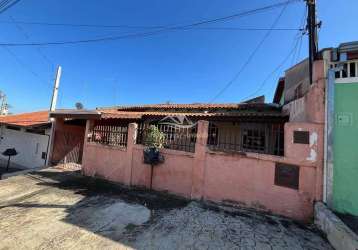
349 69
262 138
176 137
112 135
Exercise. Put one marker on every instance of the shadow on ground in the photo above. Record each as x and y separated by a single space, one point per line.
114 216
110 210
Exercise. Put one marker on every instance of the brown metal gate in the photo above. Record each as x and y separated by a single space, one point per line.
68 145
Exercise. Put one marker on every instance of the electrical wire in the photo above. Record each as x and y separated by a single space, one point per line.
291 52
142 27
249 59
38 50
5 5
24 65
303 21
156 32
299 49
297 43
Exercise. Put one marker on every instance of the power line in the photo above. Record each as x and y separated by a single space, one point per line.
292 52
295 55
24 65
303 33
3 4
27 36
141 26
6 4
156 32
299 49
250 57
297 42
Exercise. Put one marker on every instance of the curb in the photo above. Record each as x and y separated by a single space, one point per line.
338 234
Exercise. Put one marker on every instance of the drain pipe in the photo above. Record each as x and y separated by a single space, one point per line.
328 138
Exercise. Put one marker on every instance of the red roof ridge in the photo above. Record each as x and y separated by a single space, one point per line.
26 119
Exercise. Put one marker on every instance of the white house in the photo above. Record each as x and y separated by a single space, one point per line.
29 134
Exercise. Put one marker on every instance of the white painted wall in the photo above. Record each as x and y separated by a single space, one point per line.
28 145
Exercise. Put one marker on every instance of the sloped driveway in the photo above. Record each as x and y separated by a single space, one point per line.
54 209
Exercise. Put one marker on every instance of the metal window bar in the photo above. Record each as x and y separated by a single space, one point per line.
175 137
265 138
112 135
349 69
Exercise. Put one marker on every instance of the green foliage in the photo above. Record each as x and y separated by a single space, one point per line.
154 138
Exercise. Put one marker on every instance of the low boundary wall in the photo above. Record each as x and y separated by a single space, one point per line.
245 179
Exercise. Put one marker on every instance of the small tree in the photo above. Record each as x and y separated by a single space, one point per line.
155 138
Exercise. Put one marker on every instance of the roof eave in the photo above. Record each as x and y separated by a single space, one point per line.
75 114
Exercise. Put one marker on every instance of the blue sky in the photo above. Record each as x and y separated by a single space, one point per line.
181 67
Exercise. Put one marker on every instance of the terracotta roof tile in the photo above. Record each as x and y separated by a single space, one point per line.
191 107
191 110
138 115
26 119
176 106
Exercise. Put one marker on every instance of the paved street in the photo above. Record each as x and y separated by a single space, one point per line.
53 209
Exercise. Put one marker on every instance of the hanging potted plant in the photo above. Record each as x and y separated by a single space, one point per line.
154 141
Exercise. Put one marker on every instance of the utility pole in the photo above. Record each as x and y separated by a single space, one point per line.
4 107
312 34
53 121
55 89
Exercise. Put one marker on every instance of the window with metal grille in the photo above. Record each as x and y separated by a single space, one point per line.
176 137
112 135
254 139
213 134
265 138
347 69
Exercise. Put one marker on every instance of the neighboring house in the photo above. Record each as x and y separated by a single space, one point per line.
334 103
342 186
29 134
249 154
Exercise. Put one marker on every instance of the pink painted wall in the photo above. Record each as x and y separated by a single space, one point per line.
243 179
174 175
250 182
106 162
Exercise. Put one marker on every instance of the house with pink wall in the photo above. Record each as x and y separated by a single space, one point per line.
253 154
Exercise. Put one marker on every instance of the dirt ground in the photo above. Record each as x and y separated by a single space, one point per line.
54 209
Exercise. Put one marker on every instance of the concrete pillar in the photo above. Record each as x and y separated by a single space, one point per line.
198 172
132 136
89 127
50 142
57 124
